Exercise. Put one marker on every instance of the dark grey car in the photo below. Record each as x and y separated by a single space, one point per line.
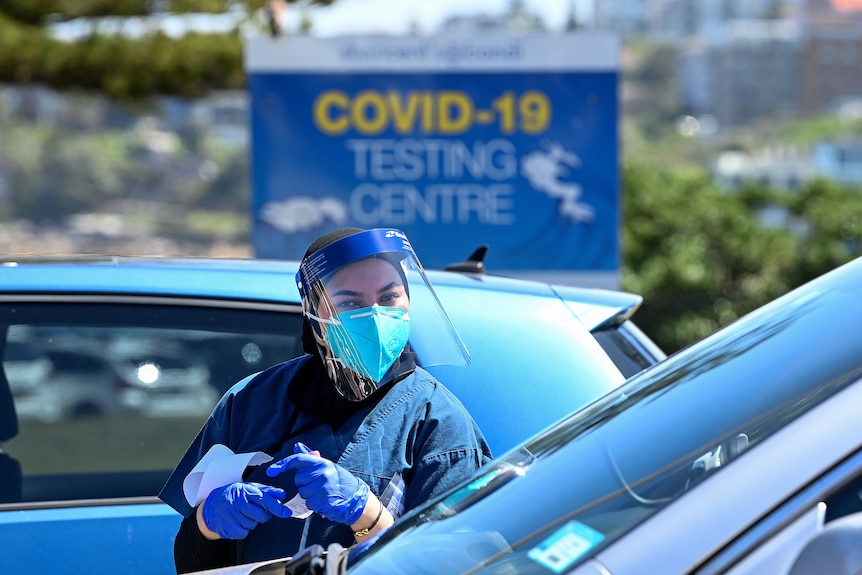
731 456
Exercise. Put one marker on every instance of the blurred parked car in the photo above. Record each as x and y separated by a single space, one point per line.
163 379
80 492
81 384
27 369
60 374
732 456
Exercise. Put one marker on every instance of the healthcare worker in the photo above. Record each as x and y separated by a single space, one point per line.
333 446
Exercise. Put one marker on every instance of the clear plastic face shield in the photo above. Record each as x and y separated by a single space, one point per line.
367 298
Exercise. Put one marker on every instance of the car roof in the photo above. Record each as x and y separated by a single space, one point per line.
260 280
263 280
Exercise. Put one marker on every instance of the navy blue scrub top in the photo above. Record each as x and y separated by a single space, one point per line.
409 447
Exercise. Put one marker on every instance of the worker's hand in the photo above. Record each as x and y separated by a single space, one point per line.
235 509
328 488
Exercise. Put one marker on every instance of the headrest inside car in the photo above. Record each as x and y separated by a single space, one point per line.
8 416
837 550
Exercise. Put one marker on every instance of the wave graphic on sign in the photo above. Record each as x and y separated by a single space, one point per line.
543 169
303 213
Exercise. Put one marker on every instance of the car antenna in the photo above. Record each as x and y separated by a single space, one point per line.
475 264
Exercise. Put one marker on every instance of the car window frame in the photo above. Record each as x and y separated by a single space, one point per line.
628 347
75 309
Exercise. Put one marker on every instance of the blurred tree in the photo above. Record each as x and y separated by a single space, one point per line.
829 218
702 257
53 177
230 189
111 60
697 254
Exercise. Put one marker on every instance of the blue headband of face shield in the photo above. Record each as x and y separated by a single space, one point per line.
349 249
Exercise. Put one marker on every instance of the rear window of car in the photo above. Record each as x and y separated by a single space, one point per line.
109 396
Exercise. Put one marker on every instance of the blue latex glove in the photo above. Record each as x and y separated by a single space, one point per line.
327 488
237 508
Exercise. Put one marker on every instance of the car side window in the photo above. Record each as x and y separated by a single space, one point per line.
109 396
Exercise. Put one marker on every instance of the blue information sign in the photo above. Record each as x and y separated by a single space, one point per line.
509 141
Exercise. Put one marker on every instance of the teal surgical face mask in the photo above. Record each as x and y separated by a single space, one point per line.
369 340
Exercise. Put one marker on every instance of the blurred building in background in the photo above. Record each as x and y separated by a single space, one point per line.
736 62
742 71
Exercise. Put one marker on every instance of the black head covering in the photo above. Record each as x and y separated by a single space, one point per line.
308 343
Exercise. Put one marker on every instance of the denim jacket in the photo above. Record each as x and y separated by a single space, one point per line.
409 447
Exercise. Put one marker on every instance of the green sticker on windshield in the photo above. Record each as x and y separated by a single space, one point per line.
568 544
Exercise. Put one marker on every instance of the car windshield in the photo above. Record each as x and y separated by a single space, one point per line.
599 473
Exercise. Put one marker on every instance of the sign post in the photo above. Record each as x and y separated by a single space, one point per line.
510 141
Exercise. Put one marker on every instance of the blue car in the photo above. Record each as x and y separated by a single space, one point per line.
111 365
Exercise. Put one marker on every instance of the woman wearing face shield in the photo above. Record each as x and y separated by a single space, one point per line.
357 431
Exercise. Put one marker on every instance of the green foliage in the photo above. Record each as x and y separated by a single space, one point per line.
121 66
702 257
812 130
40 12
230 190
53 174
223 225
125 68
53 177
832 214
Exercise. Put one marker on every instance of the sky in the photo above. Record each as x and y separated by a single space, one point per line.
369 16
397 16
